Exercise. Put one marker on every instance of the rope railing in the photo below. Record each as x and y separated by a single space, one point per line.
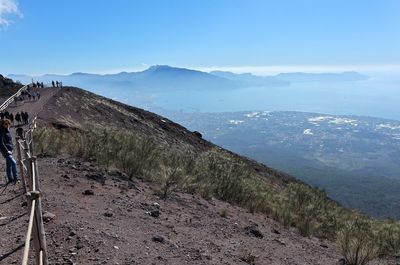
30 181
12 98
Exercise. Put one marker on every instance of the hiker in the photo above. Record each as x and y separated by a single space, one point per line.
18 118
11 118
20 132
6 147
26 117
52 83
57 83
41 85
23 117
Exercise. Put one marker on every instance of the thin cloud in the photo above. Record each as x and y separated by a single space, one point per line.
8 10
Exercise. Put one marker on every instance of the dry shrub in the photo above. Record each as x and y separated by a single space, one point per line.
357 241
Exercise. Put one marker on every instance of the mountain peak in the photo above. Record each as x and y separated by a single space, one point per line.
158 67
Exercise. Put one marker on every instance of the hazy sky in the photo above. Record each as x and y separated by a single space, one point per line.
63 36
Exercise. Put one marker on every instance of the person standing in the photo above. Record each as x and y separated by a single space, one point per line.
26 117
6 148
18 118
11 118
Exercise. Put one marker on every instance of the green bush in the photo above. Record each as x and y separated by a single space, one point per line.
388 238
174 173
127 151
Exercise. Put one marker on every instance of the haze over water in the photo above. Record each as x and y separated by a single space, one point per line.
379 96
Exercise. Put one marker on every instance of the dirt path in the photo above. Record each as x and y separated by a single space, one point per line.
13 211
33 107
13 219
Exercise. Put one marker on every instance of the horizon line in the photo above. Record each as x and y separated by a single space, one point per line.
256 70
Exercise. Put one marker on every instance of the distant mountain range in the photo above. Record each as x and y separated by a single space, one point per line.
163 77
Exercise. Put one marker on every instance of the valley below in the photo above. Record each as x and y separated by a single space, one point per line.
355 159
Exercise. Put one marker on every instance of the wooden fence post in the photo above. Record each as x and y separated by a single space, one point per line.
39 217
21 167
30 178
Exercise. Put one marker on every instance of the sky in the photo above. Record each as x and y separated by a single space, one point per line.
104 36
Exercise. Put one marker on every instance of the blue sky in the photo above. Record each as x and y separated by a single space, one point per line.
48 36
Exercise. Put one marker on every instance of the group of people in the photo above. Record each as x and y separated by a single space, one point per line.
21 117
32 95
7 121
37 84
56 84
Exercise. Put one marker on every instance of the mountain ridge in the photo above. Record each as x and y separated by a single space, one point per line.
75 112
165 77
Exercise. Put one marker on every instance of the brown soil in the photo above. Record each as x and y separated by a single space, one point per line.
113 226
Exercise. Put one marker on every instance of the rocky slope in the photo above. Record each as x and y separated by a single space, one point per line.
7 88
75 108
101 217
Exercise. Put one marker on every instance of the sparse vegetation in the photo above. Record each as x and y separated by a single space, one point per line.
129 152
356 240
174 173
216 173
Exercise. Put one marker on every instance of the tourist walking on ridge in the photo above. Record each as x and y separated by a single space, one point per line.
18 118
11 118
26 117
6 148
52 83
